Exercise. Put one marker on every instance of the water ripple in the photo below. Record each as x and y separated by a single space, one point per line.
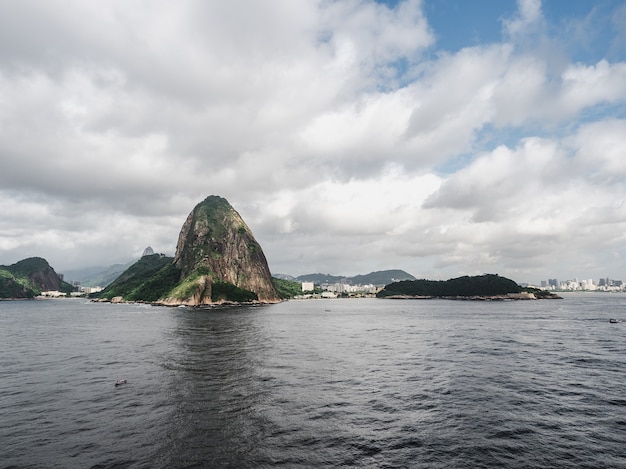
372 383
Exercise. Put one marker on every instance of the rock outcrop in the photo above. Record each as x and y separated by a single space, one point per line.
29 277
216 245
217 260
46 279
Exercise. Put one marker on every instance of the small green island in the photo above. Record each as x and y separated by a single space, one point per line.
480 287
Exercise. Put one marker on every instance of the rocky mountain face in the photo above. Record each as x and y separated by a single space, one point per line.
40 273
216 246
217 260
28 278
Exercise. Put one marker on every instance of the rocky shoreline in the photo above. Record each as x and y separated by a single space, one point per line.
120 300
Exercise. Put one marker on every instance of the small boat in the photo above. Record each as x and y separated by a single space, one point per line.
614 320
120 382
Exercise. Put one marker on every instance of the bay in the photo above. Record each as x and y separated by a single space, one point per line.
320 383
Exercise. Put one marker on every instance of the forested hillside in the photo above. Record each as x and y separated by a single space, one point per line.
482 285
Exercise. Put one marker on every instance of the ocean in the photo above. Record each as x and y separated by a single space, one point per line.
315 383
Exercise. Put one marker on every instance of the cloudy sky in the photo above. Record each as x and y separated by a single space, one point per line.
442 137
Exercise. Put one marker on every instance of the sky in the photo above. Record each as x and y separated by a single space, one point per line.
441 137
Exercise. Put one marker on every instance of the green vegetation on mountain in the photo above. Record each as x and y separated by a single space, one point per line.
146 280
224 291
481 285
12 286
190 285
287 288
29 277
541 294
162 280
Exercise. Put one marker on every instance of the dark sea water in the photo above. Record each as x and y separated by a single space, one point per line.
322 383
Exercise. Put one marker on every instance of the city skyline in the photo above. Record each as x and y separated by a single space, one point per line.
603 283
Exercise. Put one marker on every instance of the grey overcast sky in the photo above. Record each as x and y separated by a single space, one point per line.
442 137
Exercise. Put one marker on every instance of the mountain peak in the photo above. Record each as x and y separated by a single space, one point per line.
28 278
215 240
217 259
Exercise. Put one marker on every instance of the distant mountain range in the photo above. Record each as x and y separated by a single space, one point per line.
99 276
379 278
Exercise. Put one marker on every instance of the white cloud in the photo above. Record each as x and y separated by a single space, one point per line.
585 86
539 199
343 136
372 35
527 19
600 148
